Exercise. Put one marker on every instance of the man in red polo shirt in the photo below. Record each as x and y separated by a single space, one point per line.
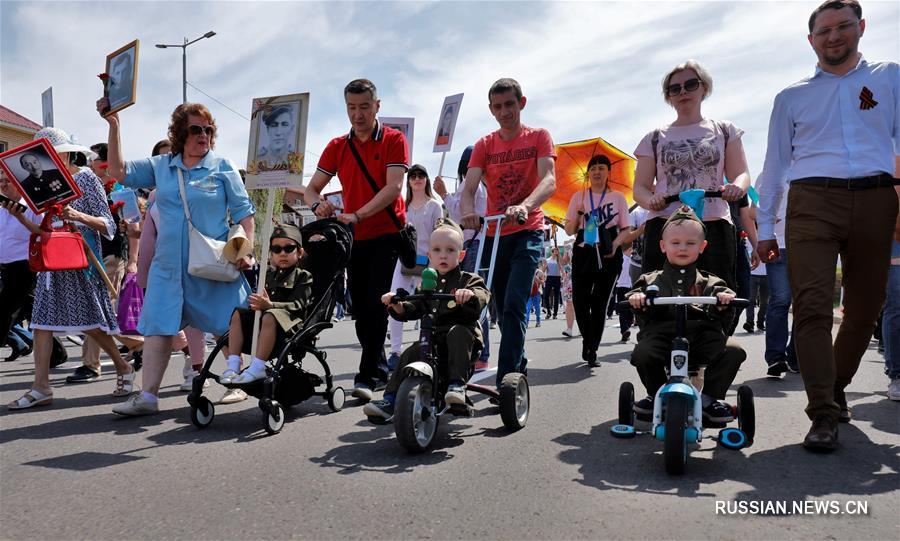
374 215
517 163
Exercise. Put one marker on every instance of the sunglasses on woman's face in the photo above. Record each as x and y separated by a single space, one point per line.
689 86
197 129
414 176
286 249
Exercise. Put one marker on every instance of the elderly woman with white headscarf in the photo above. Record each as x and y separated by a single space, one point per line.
74 301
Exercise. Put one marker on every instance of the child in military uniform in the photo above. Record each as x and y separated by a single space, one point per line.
284 302
683 239
457 332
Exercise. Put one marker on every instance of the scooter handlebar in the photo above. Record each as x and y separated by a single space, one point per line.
402 295
667 301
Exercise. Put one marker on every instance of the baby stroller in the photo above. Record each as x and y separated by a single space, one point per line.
327 244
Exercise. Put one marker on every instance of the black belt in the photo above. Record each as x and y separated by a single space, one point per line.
858 183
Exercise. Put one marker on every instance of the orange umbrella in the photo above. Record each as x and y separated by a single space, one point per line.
571 173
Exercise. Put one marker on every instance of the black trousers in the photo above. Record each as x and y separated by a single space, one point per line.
722 358
553 294
18 284
591 289
372 265
718 258
455 353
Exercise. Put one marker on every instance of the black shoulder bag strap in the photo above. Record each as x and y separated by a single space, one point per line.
372 183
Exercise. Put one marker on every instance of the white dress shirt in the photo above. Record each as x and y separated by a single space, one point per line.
14 236
826 126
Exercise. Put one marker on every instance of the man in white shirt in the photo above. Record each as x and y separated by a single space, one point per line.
832 138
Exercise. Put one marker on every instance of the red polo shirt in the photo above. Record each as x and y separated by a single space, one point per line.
386 148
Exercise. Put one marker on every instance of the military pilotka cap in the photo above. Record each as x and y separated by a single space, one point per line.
448 224
684 213
285 231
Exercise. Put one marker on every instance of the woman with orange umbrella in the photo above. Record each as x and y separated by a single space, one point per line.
692 152
598 217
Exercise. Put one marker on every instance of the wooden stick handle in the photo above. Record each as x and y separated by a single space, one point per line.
90 254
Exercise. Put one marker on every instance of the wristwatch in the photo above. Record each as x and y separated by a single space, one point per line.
315 206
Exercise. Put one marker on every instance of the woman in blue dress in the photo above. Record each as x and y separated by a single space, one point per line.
215 196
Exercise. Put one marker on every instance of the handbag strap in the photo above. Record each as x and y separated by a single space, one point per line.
187 212
372 183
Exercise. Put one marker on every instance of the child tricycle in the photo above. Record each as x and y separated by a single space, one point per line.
420 398
677 410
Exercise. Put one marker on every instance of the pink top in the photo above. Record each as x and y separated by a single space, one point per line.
613 208
688 157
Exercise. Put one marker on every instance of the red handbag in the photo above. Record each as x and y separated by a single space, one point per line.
56 249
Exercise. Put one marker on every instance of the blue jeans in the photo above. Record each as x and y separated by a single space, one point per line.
471 247
517 259
534 303
19 338
890 321
778 348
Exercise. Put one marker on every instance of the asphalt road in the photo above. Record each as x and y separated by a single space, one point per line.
76 471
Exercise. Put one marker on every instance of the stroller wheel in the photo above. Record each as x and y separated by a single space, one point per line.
336 399
202 413
274 421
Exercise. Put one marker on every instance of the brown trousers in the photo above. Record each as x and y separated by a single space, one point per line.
822 223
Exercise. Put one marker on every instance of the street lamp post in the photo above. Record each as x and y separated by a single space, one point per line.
184 47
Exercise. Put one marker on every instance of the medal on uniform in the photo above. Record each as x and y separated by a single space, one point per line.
451 304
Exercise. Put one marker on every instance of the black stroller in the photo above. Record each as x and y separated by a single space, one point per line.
327 244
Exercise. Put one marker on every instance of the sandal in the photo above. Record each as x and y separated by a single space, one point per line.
124 384
31 399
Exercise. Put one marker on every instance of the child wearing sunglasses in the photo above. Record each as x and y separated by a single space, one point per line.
283 304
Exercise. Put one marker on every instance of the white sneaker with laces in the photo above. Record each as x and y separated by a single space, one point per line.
894 389
136 405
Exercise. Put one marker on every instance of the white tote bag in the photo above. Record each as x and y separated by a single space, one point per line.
206 257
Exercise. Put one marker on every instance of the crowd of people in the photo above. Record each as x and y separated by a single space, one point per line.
826 191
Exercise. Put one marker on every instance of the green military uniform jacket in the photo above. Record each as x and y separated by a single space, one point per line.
686 282
448 313
289 291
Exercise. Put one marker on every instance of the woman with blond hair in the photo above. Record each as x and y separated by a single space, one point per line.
692 152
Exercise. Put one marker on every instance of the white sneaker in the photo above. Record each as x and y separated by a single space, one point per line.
188 384
894 389
568 333
233 396
136 405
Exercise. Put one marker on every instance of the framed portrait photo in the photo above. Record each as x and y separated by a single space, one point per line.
40 175
405 124
120 84
443 138
336 199
277 141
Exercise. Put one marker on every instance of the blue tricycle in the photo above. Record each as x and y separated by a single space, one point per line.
677 409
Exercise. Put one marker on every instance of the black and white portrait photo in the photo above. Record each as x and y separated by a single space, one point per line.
121 84
277 134
277 141
42 180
